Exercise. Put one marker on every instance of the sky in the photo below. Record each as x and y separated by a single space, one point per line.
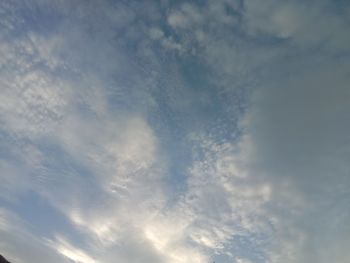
167 131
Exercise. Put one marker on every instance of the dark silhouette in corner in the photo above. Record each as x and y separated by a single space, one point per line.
3 260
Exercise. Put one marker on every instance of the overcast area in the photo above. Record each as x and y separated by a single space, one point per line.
166 131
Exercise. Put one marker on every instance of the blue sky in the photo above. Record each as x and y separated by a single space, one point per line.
175 131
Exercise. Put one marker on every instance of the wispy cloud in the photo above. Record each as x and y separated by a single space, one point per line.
70 252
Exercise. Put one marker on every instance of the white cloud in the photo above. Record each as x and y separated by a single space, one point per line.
185 17
221 202
156 33
121 154
242 260
47 49
306 24
69 251
225 200
32 100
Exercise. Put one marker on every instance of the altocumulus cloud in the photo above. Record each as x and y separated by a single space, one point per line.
176 132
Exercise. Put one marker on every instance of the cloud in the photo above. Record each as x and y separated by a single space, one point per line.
40 103
70 252
305 24
175 132
297 135
224 201
20 245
